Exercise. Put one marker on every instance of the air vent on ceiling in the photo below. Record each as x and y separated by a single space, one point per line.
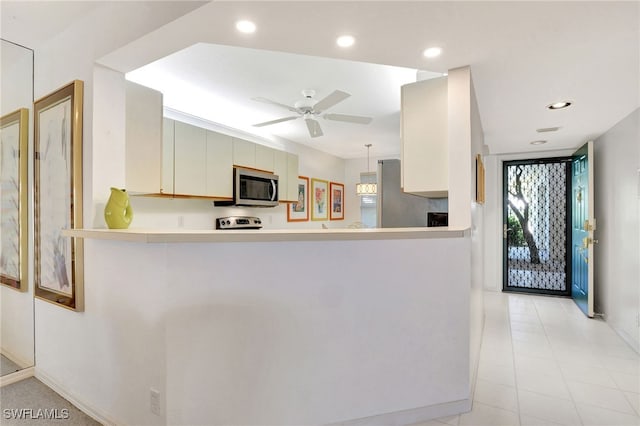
548 129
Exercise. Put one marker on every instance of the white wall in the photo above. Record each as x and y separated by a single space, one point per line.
461 155
287 342
476 300
617 255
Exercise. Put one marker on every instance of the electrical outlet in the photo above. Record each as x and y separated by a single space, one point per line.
154 399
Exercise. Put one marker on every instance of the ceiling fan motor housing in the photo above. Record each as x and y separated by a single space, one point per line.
306 105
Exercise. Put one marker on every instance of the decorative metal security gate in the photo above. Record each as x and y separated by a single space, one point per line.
536 227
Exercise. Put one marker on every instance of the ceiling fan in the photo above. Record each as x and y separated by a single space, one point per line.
310 108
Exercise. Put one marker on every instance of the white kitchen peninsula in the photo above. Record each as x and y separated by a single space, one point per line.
285 327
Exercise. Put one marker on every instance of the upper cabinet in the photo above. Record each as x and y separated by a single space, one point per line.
190 164
244 153
168 136
144 168
169 157
424 138
253 156
219 176
285 165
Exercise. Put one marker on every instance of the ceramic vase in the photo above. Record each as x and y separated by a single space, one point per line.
118 212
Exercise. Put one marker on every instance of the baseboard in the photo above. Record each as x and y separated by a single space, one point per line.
415 415
25 373
81 405
21 362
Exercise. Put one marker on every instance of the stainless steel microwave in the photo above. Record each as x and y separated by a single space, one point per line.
254 188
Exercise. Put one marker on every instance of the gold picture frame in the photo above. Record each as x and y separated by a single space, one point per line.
480 194
336 201
14 143
319 196
59 263
299 211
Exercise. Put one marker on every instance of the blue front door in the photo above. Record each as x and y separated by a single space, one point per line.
582 227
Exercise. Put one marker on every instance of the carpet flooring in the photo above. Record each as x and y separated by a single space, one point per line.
7 366
30 402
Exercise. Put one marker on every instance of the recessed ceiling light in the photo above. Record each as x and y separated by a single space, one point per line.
345 41
559 105
432 52
246 27
538 142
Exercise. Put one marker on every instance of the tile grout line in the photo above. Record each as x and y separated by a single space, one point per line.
513 357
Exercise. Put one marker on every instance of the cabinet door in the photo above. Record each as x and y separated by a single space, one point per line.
425 144
190 159
264 158
143 139
244 153
219 180
168 127
280 169
286 167
292 174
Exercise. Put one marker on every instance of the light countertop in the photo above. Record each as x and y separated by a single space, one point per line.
262 235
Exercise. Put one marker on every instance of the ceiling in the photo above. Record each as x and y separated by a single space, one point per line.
523 56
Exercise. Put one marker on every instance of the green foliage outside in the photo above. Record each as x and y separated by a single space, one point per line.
515 235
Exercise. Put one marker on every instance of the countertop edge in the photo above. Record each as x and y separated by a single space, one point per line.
263 235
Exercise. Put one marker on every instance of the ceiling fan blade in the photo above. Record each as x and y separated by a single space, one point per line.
348 118
314 127
279 120
269 101
334 98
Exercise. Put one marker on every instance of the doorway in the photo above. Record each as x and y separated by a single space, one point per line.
537 226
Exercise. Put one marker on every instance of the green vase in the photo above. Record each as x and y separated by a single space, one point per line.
118 212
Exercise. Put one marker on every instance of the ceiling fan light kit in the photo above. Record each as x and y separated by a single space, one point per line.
309 108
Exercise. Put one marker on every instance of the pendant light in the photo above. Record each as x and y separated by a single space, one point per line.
367 188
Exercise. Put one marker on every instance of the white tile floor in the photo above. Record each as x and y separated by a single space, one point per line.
543 362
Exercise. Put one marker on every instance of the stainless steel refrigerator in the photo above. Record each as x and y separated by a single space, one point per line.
397 209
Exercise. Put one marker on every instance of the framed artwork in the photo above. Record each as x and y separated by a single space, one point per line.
319 198
336 191
14 140
299 211
480 195
58 196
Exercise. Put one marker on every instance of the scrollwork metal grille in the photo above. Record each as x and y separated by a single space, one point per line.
535 226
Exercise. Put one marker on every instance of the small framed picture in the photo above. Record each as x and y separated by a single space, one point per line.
319 198
299 211
337 201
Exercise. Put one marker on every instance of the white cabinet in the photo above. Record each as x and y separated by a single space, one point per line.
252 155
244 153
168 128
424 138
264 158
286 167
143 136
219 169
190 159
165 156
